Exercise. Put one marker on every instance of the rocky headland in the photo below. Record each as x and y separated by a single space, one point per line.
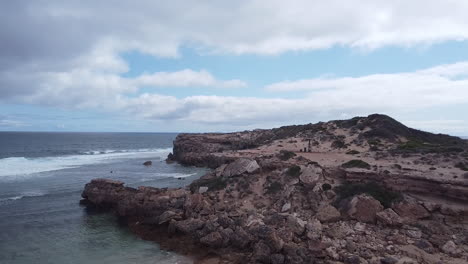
363 190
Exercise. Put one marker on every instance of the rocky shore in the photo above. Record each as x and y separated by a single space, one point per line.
364 190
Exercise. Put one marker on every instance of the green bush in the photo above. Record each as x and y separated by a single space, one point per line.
384 196
285 155
352 152
356 164
294 171
274 187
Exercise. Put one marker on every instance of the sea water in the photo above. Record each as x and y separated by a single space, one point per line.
42 176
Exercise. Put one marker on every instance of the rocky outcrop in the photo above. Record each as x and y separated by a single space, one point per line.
239 167
258 206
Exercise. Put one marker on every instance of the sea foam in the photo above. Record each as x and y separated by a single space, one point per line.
20 166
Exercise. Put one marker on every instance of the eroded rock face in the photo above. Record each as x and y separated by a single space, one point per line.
364 208
239 167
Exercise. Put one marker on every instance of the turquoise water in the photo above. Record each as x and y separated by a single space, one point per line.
41 179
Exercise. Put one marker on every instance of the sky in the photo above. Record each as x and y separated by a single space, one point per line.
208 65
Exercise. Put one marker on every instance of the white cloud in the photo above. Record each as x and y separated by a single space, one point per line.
186 78
68 54
441 85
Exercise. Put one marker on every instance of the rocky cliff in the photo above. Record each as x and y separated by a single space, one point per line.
364 190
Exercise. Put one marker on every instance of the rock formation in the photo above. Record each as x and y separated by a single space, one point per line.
266 201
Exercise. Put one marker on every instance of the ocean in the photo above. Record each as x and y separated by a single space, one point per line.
41 179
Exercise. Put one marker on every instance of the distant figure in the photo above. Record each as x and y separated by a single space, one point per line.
110 171
148 163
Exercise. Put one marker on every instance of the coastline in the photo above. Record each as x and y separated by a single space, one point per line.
272 200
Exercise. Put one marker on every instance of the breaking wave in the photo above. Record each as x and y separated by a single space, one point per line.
16 166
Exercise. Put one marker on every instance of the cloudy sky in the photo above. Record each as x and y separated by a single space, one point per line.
231 65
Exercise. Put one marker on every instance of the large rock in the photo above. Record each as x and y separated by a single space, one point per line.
364 208
310 175
239 167
389 217
327 213
410 211
189 225
213 239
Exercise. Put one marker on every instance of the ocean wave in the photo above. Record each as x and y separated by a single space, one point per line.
21 166
22 195
175 175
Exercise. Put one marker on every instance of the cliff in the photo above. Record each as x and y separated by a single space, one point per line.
364 190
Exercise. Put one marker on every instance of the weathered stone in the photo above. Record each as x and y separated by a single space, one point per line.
240 166
167 216
310 175
389 217
148 163
286 207
450 248
410 211
202 189
327 213
189 226
364 208
277 259
240 238
296 224
213 239
261 253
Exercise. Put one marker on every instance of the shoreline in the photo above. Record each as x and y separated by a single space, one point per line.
270 199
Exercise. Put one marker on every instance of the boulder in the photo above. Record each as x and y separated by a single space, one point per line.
327 213
168 216
148 163
261 252
310 175
389 217
364 208
410 211
189 226
213 239
239 167
450 248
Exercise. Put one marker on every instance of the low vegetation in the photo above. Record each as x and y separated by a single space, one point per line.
338 144
285 155
424 147
384 196
356 164
462 166
274 187
212 184
294 171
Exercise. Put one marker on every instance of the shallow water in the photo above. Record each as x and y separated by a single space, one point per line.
41 220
